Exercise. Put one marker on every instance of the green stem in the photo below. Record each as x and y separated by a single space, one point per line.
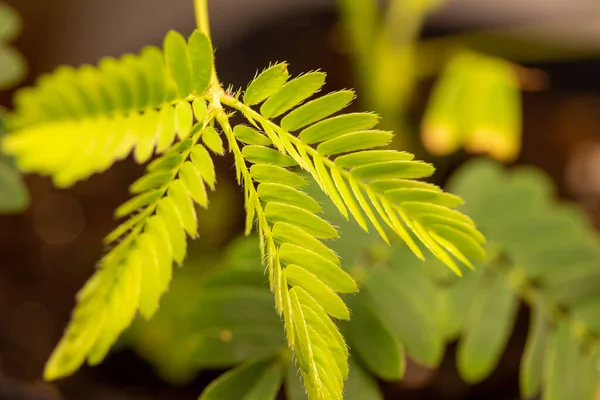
203 25
253 201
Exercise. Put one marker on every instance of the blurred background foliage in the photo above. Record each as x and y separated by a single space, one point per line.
520 91
13 194
12 64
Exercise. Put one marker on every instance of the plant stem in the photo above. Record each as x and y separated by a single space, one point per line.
203 25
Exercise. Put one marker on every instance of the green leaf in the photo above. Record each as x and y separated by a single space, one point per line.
423 195
12 67
490 321
212 140
13 195
201 59
355 141
568 373
368 210
115 79
168 162
264 173
253 380
371 156
435 220
383 185
533 360
463 242
394 169
193 183
181 146
10 23
152 180
304 351
95 329
147 138
135 78
294 389
374 342
419 209
337 126
275 192
305 220
248 135
348 198
166 128
268 385
185 208
232 323
266 83
266 155
329 187
138 202
184 119
318 318
169 214
331 302
292 93
157 230
286 233
455 300
400 304
150 288
152 62
178 62
200 109
360 384
204 163
331 274
316 110
126 226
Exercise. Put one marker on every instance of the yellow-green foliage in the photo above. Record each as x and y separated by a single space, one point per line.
75 122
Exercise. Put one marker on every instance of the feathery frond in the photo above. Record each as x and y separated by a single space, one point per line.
304 274
135 273
76 122
369 184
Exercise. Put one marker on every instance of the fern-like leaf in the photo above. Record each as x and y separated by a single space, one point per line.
76 122
135 273
369 184
304 274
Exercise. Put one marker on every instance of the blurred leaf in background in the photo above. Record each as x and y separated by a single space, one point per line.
547 255
476 105
12 64
13 193
14 197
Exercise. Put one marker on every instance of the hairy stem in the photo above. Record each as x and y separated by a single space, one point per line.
203 25
264 229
